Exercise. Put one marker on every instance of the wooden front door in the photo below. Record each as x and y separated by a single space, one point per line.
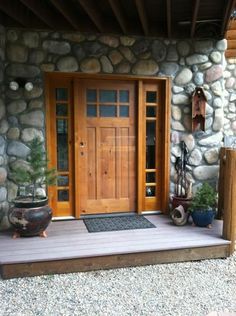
105 155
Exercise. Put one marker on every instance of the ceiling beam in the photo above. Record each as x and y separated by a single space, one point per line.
69 13
93 13
117 10
16 11
226 18
168 17
43 12
194 18
142 15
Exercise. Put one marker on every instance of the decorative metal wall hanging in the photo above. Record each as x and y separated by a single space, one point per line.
198 109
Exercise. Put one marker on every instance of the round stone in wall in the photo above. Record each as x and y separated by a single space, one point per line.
214 73
229 83
211 155
127 41
127 53
195 157
177 126
12 190
37 56
79 52
115 57
196 59
176 113
218 120
217 88
3 175
213 140
35 104
109 40
90 65
12 35
67 64
145 67
33 118
189 141
106 65
198 78
169 69
4 126
172 54
22 70
204 47
180 99
183 77
17 149
47 67
183 48
34 93
141 47
28 134
13 133
31 39
74 37
16 107
91 49
17 53
123 68
206 172
57 47
3 194
158 50
216 57
221 45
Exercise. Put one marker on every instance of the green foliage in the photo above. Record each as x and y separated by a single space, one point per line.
204 199
36 173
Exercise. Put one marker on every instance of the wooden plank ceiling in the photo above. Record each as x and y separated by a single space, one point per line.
162 18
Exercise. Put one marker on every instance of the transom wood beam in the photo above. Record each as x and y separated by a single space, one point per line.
93 13
168 17
41 10
69 13
231 4
142 15
194 19
117 10
16 11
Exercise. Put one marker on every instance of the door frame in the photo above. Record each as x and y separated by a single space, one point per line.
165 86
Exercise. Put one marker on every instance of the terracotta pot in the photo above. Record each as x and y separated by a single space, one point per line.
30 218
178 200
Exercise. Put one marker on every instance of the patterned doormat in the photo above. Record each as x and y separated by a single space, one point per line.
114 223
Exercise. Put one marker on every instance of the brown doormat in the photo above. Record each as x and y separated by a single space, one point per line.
114 223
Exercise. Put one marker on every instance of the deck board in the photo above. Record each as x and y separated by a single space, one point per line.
70 240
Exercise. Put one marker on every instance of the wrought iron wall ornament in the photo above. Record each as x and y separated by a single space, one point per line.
182 184
198 109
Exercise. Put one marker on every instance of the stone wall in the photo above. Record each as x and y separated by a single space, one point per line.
201 63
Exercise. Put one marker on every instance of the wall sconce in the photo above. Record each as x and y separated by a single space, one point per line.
21 83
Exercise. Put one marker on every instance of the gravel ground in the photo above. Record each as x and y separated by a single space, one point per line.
185 289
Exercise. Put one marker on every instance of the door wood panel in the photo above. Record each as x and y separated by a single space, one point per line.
108 156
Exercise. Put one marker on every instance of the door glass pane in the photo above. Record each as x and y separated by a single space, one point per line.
61 109
107 110
151 97
151 111
107 96
62 180
63 195
91 95
62 145
124 111
150 177
150 145
150 191
91 110
61 94
124 96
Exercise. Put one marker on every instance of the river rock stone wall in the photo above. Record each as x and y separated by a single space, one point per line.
29 54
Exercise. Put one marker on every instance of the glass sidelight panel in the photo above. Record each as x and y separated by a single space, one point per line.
151 97
150 191
62 180
63 195
62 145
61 94
150 144
61 109
150 177
151 111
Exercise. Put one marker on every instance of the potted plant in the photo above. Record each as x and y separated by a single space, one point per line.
203 206
30 214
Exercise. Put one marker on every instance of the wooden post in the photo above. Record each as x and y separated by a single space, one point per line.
229 215
221 183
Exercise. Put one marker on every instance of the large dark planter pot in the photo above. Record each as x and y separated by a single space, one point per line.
30 218
203 218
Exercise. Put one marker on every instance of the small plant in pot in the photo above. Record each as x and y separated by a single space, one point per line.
203 206
31 213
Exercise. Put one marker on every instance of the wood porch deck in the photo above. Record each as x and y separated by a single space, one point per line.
70 248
